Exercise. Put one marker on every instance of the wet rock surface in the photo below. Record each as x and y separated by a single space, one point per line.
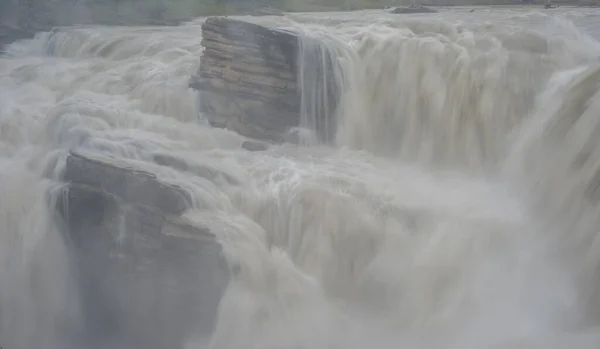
148 277
128 184
247 78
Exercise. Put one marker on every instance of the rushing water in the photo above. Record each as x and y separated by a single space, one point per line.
456 206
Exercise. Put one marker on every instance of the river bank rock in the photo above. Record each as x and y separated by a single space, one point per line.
248 79
148 277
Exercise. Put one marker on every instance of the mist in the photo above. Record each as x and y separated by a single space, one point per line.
314 179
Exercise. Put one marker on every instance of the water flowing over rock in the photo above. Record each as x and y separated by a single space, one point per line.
9 34
254 146
143 269
269 11
249 79
457 207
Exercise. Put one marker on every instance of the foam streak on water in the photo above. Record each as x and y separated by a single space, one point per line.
454 208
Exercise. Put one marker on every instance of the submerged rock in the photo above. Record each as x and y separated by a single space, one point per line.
147 276
413 9
200 170
269 11
255 146
128 184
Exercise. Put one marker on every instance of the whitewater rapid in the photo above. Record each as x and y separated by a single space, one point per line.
454 208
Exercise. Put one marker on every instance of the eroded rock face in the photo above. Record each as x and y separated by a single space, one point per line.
249 78
148 277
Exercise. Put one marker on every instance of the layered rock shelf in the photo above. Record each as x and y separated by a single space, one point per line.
248 78
147 276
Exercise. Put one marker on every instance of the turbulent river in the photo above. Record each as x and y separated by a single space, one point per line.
457 206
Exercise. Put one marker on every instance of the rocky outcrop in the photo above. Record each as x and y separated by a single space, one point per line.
412 9
248 77
148 277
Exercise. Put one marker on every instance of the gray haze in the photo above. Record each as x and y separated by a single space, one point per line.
455 207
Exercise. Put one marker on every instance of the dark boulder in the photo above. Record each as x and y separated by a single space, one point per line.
148 277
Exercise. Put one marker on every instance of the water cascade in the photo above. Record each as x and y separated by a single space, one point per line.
452 205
